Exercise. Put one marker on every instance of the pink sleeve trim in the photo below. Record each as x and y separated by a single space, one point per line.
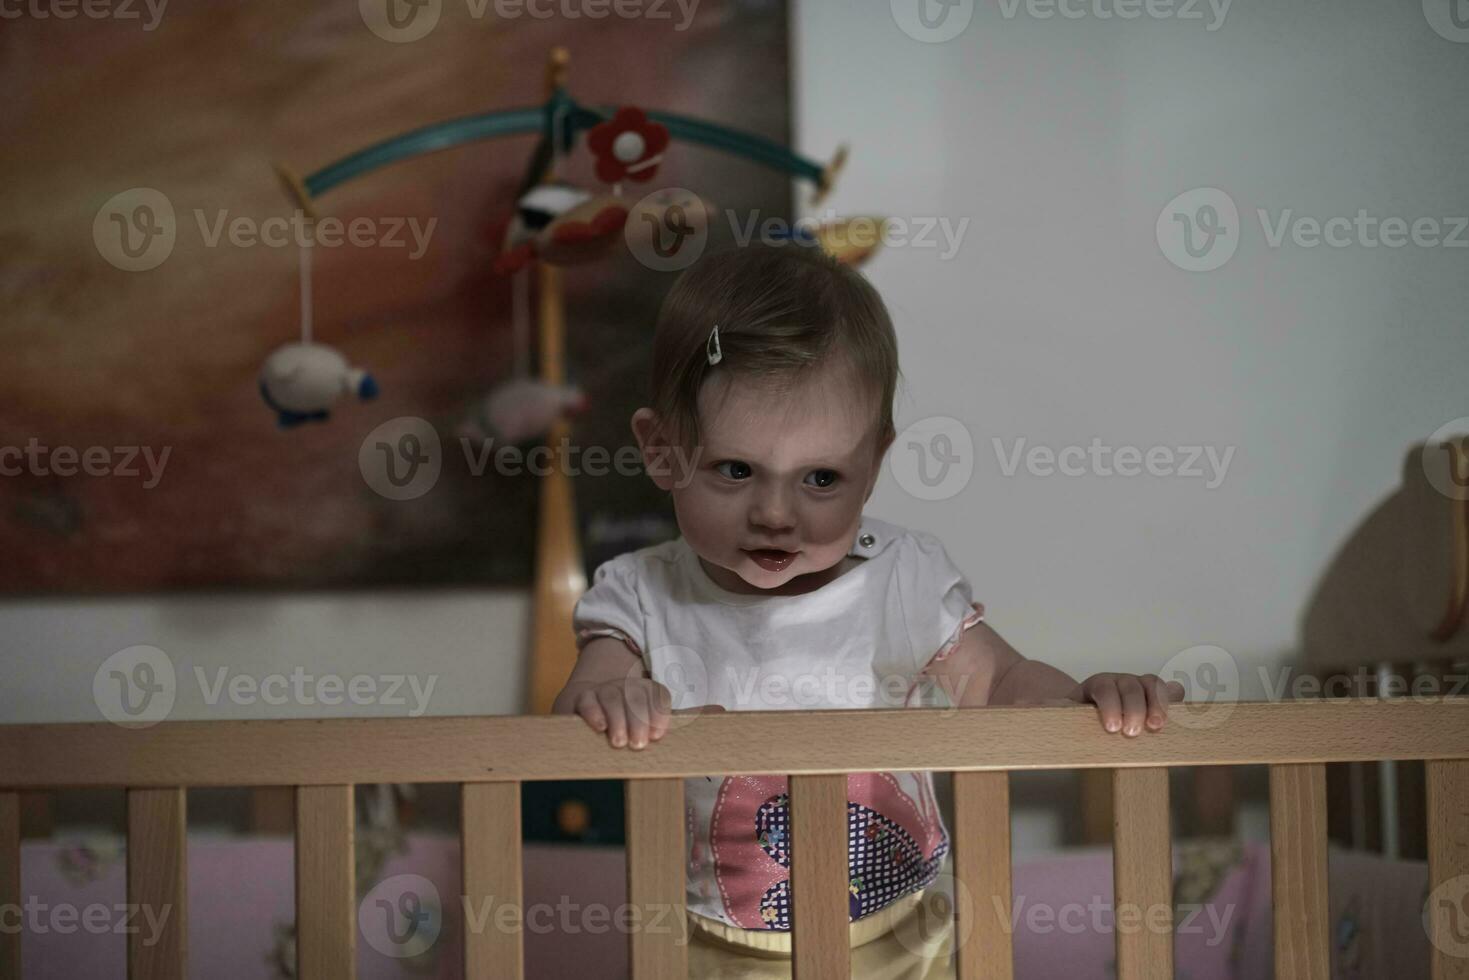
974 618
586 633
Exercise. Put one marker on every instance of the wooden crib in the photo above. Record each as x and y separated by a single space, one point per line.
491 756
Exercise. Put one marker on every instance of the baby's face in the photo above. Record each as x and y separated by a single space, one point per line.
788 471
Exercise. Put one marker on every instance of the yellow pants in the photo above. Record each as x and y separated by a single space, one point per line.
911 939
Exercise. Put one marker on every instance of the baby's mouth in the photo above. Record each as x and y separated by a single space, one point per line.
771 560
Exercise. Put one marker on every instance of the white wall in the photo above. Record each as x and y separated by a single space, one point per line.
1060 319
464 648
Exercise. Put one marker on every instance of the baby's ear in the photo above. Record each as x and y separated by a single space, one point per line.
658 455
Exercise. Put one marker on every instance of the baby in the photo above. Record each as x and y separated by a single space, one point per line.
774 371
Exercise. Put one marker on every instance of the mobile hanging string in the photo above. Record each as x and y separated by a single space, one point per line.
306 245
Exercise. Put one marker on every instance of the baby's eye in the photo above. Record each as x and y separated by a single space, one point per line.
826 478
742 470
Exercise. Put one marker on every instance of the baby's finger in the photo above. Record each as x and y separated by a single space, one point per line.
639 711
610 698
590 711
1175 691
662 706
1157 701
1134 704
1109 705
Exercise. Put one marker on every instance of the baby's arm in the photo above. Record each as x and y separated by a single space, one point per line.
610 689
984 669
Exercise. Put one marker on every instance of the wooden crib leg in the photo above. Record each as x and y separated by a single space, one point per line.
489 828
1448 867
1142 874
157 881
9 880
982 888
820 935
1298 871
326 898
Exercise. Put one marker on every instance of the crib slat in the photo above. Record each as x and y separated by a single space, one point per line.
820 935
656 854
1142 874
1448 866
326 901
157 883
9 880
1298 871
490 842
982 886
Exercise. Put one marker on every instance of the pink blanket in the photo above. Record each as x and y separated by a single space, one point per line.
241 906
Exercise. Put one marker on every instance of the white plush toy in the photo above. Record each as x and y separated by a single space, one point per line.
522 410
302 381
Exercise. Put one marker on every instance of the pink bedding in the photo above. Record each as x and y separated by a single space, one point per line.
242 903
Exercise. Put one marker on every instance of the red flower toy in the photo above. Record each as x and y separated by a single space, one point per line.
628 146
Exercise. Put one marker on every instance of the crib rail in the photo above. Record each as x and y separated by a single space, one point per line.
492 756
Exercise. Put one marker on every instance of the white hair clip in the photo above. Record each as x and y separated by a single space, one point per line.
711 346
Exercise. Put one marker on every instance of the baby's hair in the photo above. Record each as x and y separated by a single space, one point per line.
782 311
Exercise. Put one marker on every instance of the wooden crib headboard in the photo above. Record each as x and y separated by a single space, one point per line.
491 756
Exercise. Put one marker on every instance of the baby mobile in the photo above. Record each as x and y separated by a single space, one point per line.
553 224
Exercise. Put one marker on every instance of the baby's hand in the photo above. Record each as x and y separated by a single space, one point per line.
1128 702
632 712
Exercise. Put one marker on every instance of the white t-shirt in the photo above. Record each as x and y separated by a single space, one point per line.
859 641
